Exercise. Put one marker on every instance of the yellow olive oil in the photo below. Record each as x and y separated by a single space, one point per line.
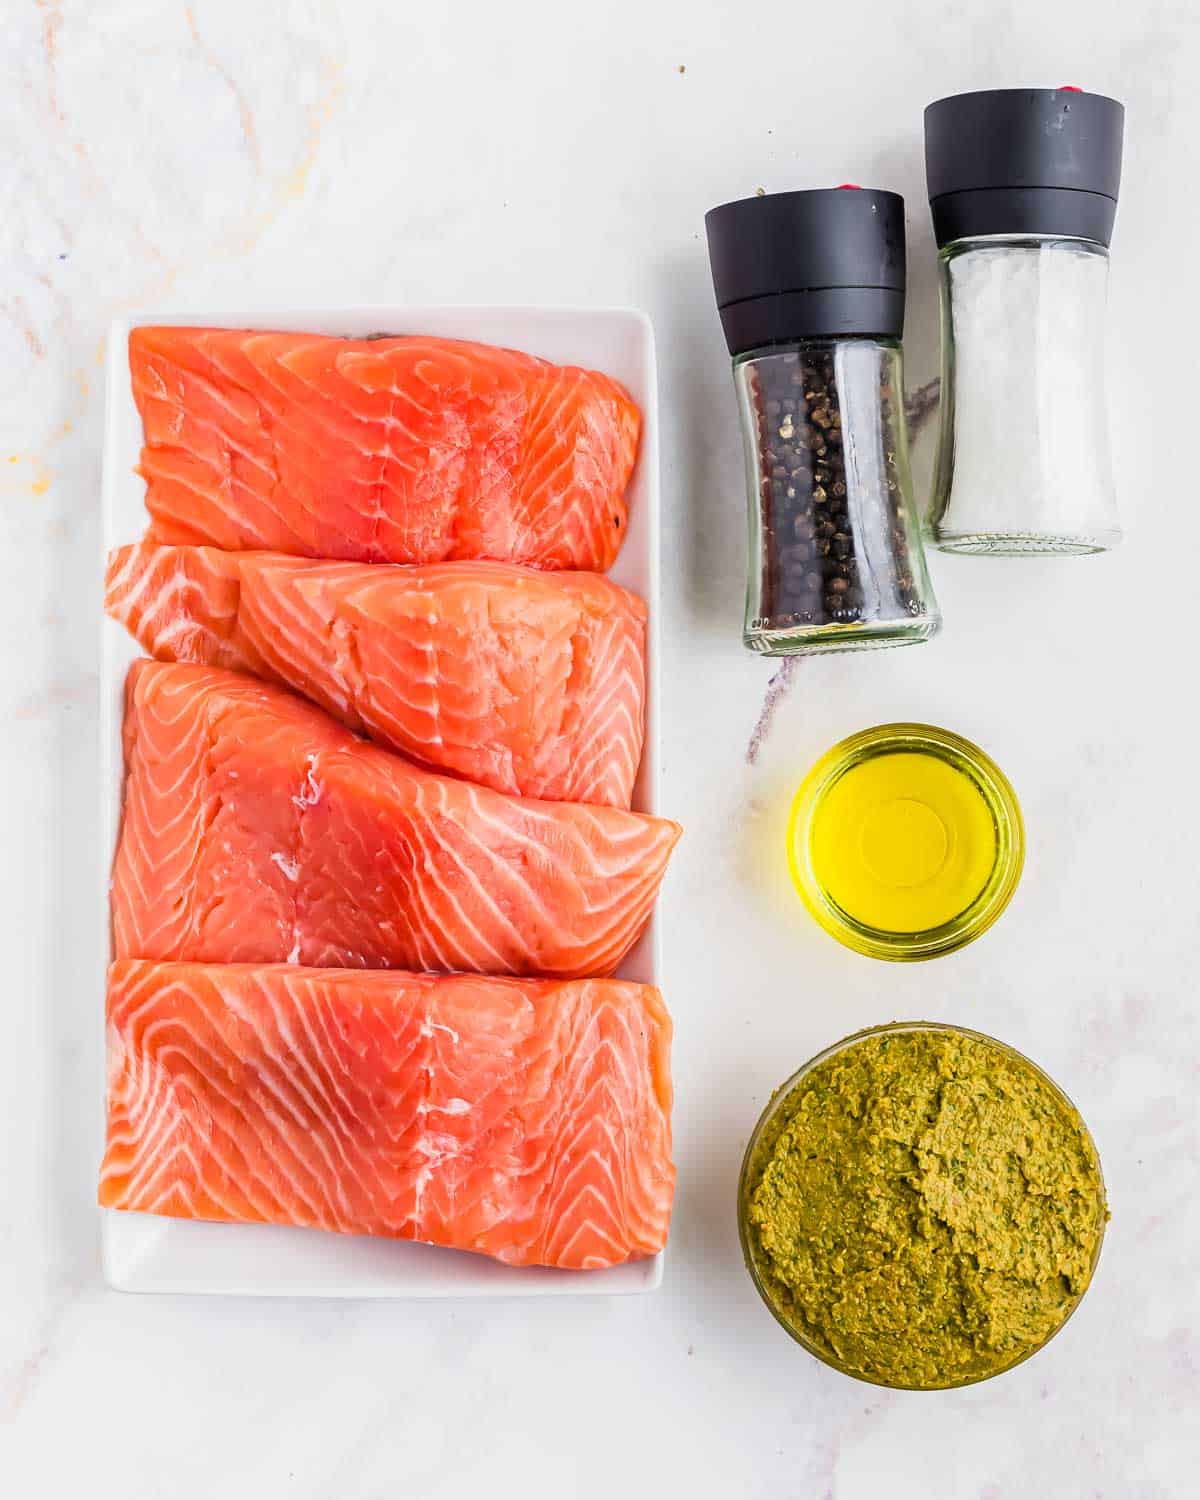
905 841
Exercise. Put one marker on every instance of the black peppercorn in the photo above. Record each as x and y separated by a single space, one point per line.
822 528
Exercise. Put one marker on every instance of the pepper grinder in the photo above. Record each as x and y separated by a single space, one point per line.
1023 189
810 288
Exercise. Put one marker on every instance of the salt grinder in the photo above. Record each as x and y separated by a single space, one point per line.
1023 188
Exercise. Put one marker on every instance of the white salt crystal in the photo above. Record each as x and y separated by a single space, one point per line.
1031 448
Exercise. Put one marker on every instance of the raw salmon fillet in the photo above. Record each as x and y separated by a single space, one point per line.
405 450
532 683
525 1119
257 829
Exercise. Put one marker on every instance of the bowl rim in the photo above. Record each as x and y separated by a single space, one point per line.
965 757
780 1096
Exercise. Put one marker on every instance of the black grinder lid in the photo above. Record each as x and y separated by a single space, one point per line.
828 263
1024 161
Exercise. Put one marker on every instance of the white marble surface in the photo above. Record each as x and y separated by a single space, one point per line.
307 152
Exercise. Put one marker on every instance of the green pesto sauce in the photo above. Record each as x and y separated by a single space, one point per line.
924 1208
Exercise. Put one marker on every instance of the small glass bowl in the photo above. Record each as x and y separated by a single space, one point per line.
986 777
751 1161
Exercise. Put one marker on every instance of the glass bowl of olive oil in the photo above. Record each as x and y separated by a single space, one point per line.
905 841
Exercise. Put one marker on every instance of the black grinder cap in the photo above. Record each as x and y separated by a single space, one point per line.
1024 161
828 263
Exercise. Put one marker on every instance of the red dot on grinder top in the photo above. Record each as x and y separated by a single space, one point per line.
1069 88
842 185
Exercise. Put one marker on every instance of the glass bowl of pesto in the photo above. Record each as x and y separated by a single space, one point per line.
921 1206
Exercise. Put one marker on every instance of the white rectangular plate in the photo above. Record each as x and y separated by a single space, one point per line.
143 1253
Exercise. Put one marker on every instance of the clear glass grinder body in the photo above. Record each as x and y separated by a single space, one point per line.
835 555
1024 462
810 287
1023 186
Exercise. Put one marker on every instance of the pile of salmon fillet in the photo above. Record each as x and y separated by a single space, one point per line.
376 858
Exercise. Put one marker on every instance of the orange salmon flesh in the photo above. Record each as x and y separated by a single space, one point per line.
403 450
528 682
526 1120
257 829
